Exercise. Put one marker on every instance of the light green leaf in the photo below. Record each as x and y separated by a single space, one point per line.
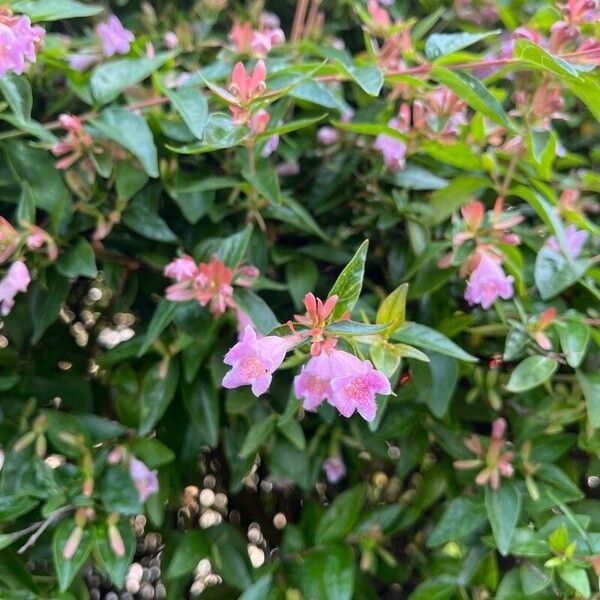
504 509
258 590
393 309
111 78
17 92
355 328
370 78
191 104
116 566
55 10
590 386
341 516
349 282
553 273
440 44
574 337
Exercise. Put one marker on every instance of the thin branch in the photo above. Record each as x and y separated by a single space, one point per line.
43 525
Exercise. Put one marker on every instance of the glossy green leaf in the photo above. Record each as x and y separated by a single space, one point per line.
233 248
461 517
348 285
393 309
574 337
192 105
55 10
191 548
67 568
257 435
258 590
590 386
436 382
202 404
530 373
341 516
158 389
257 309
116 566
161 318
45 303
440 44
80 260
553 273
13 506
504 510
17 92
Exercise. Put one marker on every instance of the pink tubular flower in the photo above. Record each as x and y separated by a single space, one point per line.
495 461
19 40
241 36
335 469
270 147
393 149
259 121
576 239
379 15
313 383
115 38
16 280
170 40
145 480
245 88
328 135
9 240
488 282
253 360
81 61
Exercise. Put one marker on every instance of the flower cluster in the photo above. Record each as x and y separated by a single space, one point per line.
258 42
209 283
74 145
476 252
342 379
496 461
19 41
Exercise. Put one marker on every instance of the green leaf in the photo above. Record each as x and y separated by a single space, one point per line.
293 432
440 44
258 590
111 78
434 590
14 506
553 273
55 10
315 92
301 276
574 337
79 260
393 309
369 79
116 566
45 303
436 382
530 373
348 285
328 573
66 569
158 389
462 517
132 132
192 547
201 401
192 105
161 318
266 182
118 492
385 358
422 336
577 578
533 578
341 516
233 248
257 435
347 327
474 93
142 217
413 177
220 133
289 127
152 452
590 386
504 509
129 180
257 309
17 92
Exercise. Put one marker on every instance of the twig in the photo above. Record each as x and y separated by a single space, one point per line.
43 525
298 24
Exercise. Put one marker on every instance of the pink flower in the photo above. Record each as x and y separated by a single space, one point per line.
245 88
9 240
19 40
115 38
355 386
259 121
379 15
488 282
181 268
37 237
328 135
145 480
170 40
576 239
82 62
313 383
393 149
16 280
334 468
241 36
254 360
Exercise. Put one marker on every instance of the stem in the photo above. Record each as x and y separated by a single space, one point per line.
43 525
298 24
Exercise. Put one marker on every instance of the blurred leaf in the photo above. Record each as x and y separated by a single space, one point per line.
12 507
152 452
530 373
118 492
436 381
257 309
577 578
129 180
258 590
191 548
140 216
158 389
79 260
55 10
590 386
504 510
341 516
203 407
553 273
370 78
266 182
44 303
257 435
132 132
440 44
574 337
162 316
301 276
191 104
461 517
17 92
116 566
67 568
233 248
111 78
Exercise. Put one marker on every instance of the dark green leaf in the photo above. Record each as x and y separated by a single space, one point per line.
590 386
158 389
116 566
67 568
232 249
79 260
341 516
257 309
257 435
504 509
161 318
17 92
202 404
12 507
462 517
44 303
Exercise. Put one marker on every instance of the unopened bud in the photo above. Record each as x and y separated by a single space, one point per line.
116 541
40 446
73 543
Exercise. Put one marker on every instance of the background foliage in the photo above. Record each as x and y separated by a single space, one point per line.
97 367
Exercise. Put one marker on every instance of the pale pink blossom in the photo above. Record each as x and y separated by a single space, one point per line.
259 121
115 38
393 149
575 238
488 282
328 135
253 360
246 88
379 15
16 280
270 147
9 240
145 480
170 40
81 61
181 268
335 469
313 383
241 36
37 237
19 40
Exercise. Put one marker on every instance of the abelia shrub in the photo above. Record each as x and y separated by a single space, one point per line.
299 300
